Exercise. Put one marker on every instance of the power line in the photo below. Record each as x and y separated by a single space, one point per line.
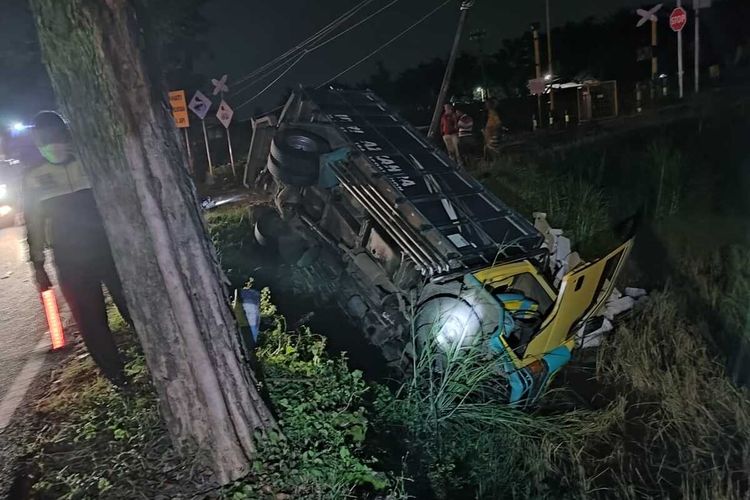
355 25
272 83
316 47
320 33
389 42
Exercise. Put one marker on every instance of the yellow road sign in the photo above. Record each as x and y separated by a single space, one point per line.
179 108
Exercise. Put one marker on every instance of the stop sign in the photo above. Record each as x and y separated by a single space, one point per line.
678 19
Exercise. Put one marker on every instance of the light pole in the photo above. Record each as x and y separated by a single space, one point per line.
549 64
478 37
465 6
537 67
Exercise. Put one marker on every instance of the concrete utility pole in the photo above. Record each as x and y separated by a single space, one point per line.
465 6
697 9
549 64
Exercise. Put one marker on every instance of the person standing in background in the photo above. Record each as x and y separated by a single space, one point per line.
466 140
492 129
449 131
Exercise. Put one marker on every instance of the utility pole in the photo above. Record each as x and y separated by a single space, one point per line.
654 56
465 6
697 9
538 67
549 64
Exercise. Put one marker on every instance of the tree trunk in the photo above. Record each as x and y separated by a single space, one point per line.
129 147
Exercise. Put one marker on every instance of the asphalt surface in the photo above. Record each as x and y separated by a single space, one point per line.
22 323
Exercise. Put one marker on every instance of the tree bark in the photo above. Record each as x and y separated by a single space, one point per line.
172 280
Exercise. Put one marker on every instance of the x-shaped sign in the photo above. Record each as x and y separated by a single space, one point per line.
220 86
647 15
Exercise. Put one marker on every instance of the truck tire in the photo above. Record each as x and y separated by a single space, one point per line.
291 143
268 227
301 174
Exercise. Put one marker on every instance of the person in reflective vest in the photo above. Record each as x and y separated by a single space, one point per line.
60 210
466 142
492 129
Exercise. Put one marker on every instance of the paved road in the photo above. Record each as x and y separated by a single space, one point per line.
21 318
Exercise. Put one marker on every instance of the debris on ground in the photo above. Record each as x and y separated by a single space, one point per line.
562 260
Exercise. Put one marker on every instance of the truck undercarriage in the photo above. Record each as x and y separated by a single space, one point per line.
410 245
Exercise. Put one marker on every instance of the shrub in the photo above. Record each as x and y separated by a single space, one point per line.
97 442
232 234
317 449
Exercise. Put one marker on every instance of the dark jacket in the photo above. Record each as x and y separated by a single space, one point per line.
59 209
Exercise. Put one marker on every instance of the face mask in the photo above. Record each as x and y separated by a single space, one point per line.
56 153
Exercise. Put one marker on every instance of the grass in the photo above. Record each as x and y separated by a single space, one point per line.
94 441
570 202
657 414
231 231
666 422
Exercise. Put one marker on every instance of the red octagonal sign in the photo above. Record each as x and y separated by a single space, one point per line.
678 19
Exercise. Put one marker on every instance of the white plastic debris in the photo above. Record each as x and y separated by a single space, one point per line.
636 293
562 260
593 338
614 307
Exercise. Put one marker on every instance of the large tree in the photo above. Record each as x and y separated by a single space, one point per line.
94 51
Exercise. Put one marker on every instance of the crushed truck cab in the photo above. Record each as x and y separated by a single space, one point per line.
419 251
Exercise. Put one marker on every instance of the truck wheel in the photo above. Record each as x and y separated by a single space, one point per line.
291 143
300 173
268 228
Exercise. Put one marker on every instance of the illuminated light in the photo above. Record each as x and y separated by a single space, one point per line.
5 210
56 334
19 127
548 77
3 190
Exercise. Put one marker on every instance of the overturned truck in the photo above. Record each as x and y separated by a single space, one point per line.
415 250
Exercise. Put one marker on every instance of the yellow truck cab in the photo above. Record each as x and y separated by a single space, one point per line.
411 246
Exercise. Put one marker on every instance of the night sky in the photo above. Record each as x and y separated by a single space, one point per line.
247 34
244 34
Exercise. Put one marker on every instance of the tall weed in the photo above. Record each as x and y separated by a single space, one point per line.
571 202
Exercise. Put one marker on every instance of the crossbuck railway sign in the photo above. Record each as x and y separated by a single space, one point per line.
647 15
220 86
